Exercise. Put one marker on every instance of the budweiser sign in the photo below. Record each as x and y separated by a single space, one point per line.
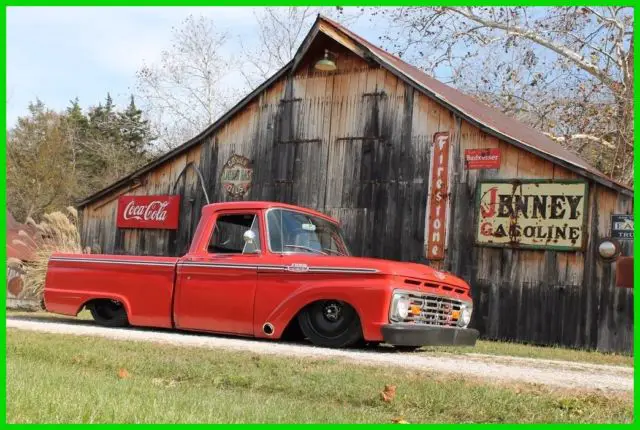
159 212
487 158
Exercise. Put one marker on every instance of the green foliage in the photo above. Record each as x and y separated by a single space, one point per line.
57 158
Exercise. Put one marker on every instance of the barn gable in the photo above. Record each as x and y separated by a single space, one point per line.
327 34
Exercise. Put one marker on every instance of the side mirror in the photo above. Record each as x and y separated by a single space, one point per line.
249 237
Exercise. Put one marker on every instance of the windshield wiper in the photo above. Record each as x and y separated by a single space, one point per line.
317 251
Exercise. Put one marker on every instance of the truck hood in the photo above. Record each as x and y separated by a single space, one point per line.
406 270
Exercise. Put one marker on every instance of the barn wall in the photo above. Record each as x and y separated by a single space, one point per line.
355 144
538 296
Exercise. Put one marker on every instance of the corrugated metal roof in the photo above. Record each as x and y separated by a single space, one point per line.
488 116
484 116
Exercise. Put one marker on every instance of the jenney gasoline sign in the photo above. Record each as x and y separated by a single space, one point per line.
532 214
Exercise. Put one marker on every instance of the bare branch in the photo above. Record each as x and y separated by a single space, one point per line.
581 136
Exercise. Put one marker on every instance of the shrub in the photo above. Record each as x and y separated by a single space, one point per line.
58 232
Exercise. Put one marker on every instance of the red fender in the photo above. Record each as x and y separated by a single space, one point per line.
367 303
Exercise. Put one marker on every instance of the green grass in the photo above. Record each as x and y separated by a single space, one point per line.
63 378
531 351
482 347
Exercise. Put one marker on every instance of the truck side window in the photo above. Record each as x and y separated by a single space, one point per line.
227 236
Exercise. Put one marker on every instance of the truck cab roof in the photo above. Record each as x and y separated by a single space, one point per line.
261 205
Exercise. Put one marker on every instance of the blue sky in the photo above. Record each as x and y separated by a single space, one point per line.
58 53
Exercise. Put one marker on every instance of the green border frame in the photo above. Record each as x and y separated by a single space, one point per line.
170 3
585 235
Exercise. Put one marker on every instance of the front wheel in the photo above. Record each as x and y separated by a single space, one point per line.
109 313
330 323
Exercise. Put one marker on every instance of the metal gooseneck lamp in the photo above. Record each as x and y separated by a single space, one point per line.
326 64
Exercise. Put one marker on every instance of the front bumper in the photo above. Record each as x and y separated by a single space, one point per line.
420 335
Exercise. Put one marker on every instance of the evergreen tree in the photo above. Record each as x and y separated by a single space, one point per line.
134 129
76 117
58 158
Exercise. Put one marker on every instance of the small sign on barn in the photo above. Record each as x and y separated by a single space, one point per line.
622 227
532 214
237 175
487 158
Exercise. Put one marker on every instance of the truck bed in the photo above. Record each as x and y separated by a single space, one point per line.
143 284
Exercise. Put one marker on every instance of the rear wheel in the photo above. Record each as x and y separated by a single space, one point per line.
109 313
330 323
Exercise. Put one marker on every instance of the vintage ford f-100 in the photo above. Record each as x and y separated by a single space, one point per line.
264 269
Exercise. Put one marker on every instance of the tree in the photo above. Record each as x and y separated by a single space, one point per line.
566 71
281 30
184 92
39 161
56 158
134 129
116 143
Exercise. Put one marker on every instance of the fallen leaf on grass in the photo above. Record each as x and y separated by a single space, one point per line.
122 374
399 421
388 393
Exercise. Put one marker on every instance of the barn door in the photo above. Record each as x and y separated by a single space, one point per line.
299 153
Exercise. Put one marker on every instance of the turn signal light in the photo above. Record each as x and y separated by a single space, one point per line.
415 310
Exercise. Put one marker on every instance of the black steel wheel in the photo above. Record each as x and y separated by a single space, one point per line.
330 323
109 313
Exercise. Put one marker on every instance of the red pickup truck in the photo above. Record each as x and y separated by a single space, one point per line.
263 269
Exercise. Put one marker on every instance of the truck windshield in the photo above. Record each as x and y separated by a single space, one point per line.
297 232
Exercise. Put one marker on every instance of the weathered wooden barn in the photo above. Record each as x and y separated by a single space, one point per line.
414 170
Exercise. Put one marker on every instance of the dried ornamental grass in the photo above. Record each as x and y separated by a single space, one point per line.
57 233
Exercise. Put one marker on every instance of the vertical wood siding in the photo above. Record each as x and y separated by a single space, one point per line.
355 144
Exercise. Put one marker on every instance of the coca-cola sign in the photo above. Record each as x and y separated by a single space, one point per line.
161 212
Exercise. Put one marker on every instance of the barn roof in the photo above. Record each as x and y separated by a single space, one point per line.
488 119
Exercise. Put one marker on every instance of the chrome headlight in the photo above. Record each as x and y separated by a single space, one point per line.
465 315
399 307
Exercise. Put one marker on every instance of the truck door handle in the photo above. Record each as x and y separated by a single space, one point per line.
220 257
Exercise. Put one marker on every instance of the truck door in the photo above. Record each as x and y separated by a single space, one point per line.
215 291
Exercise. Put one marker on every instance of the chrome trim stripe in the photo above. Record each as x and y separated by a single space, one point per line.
221 266
112 261
316 269
342 269
311 269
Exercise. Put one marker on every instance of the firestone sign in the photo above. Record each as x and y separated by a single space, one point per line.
438 198
159 212
532 214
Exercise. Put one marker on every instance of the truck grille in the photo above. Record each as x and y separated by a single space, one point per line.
435 287
435 310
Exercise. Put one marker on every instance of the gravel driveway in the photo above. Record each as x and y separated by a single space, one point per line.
497 368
